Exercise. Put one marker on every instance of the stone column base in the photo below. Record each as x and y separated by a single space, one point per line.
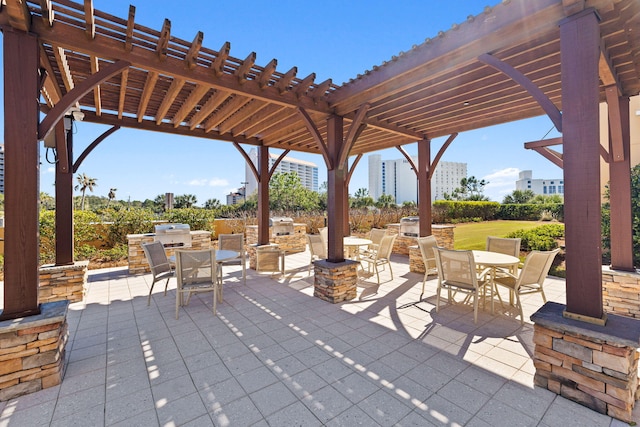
416 265
63 282
595 366
33 351
335 281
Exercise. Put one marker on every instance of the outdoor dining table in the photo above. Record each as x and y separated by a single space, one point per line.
352 245
494 260
221 256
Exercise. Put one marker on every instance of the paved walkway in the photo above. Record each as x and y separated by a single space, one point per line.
277 356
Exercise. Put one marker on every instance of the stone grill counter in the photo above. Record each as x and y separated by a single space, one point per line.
291 244
200 239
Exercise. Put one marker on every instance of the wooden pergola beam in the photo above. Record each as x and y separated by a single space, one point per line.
194 50
189 104
209 106
19 15
169 98
89 19
147 92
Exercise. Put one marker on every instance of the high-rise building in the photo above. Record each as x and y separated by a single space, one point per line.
307 171
397 178
546 187
236 197
1 168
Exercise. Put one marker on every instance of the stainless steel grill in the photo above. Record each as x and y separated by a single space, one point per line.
173 235
281 226
410 226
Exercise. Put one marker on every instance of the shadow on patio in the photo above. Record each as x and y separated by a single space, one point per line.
275 355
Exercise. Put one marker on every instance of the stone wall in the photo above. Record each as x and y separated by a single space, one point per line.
291 244
63 282
32 351
442 233
596 366
200 239
621 292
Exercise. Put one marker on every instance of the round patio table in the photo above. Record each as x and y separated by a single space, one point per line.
494 260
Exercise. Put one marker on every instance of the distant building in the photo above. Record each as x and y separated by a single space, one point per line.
236 197
307 171
546 187
1 168
396 177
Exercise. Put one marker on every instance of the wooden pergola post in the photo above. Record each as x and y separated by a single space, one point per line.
621 221
337 209
263 195
580 52
64 195
424 186
22 172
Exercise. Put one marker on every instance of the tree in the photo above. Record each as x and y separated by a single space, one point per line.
287 193
185 201
518 197
470 190
111 195
362 199
541 199
213 204
47 202
386 201
85 183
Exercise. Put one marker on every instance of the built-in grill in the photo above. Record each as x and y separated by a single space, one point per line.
173 235
410 226
281 226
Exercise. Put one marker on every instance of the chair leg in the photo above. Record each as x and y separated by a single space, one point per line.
424 281
166 285
178 297
438 299
244 272
520 308
544 297
475 307
215 300
150 291
390 269
375 266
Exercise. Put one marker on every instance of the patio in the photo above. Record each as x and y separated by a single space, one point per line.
275 355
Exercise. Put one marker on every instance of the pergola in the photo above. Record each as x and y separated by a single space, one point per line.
514 61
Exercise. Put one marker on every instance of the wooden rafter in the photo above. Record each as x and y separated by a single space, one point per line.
89 19
19 15
52 87
265 76
47 12
224 112
149 85
169 98
128 37
123 91
242 72
96 90
247 111
194 50
217 65
209 106
189 104
254 121
542 148
320 90
63 66
283 83
163 41
305 84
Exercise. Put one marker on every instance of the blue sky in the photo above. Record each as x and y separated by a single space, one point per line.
334 39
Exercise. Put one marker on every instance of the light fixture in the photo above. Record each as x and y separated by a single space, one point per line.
466 103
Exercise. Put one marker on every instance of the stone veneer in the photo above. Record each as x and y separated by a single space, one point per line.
291 244
335 281
200 239
63 282
32 351
596 366
621 292
442 233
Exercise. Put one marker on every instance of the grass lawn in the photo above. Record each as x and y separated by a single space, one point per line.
474 235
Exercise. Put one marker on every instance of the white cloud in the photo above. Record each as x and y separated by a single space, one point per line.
501 183
215 182
218 182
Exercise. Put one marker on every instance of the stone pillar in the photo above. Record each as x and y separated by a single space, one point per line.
33 351
335 281
621 292
593 365
63 282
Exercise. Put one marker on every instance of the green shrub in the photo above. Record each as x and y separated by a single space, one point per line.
197 218
127 221
83 252
116 253
84 231
449 211
531 211
543 238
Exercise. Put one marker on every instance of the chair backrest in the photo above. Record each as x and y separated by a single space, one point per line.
536 267
324 233
196 266
156 257
503 245
316 246
268 260
386 246
231 242
376 235
457 268
426 245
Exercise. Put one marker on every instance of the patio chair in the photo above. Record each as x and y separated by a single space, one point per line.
159 263
382 256
426 245
317 249
457 273
375 235
269 259
503 245
197 272
531 278
234 242
324 233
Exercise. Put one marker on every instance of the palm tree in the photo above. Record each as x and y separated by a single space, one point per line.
111 195
84 183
